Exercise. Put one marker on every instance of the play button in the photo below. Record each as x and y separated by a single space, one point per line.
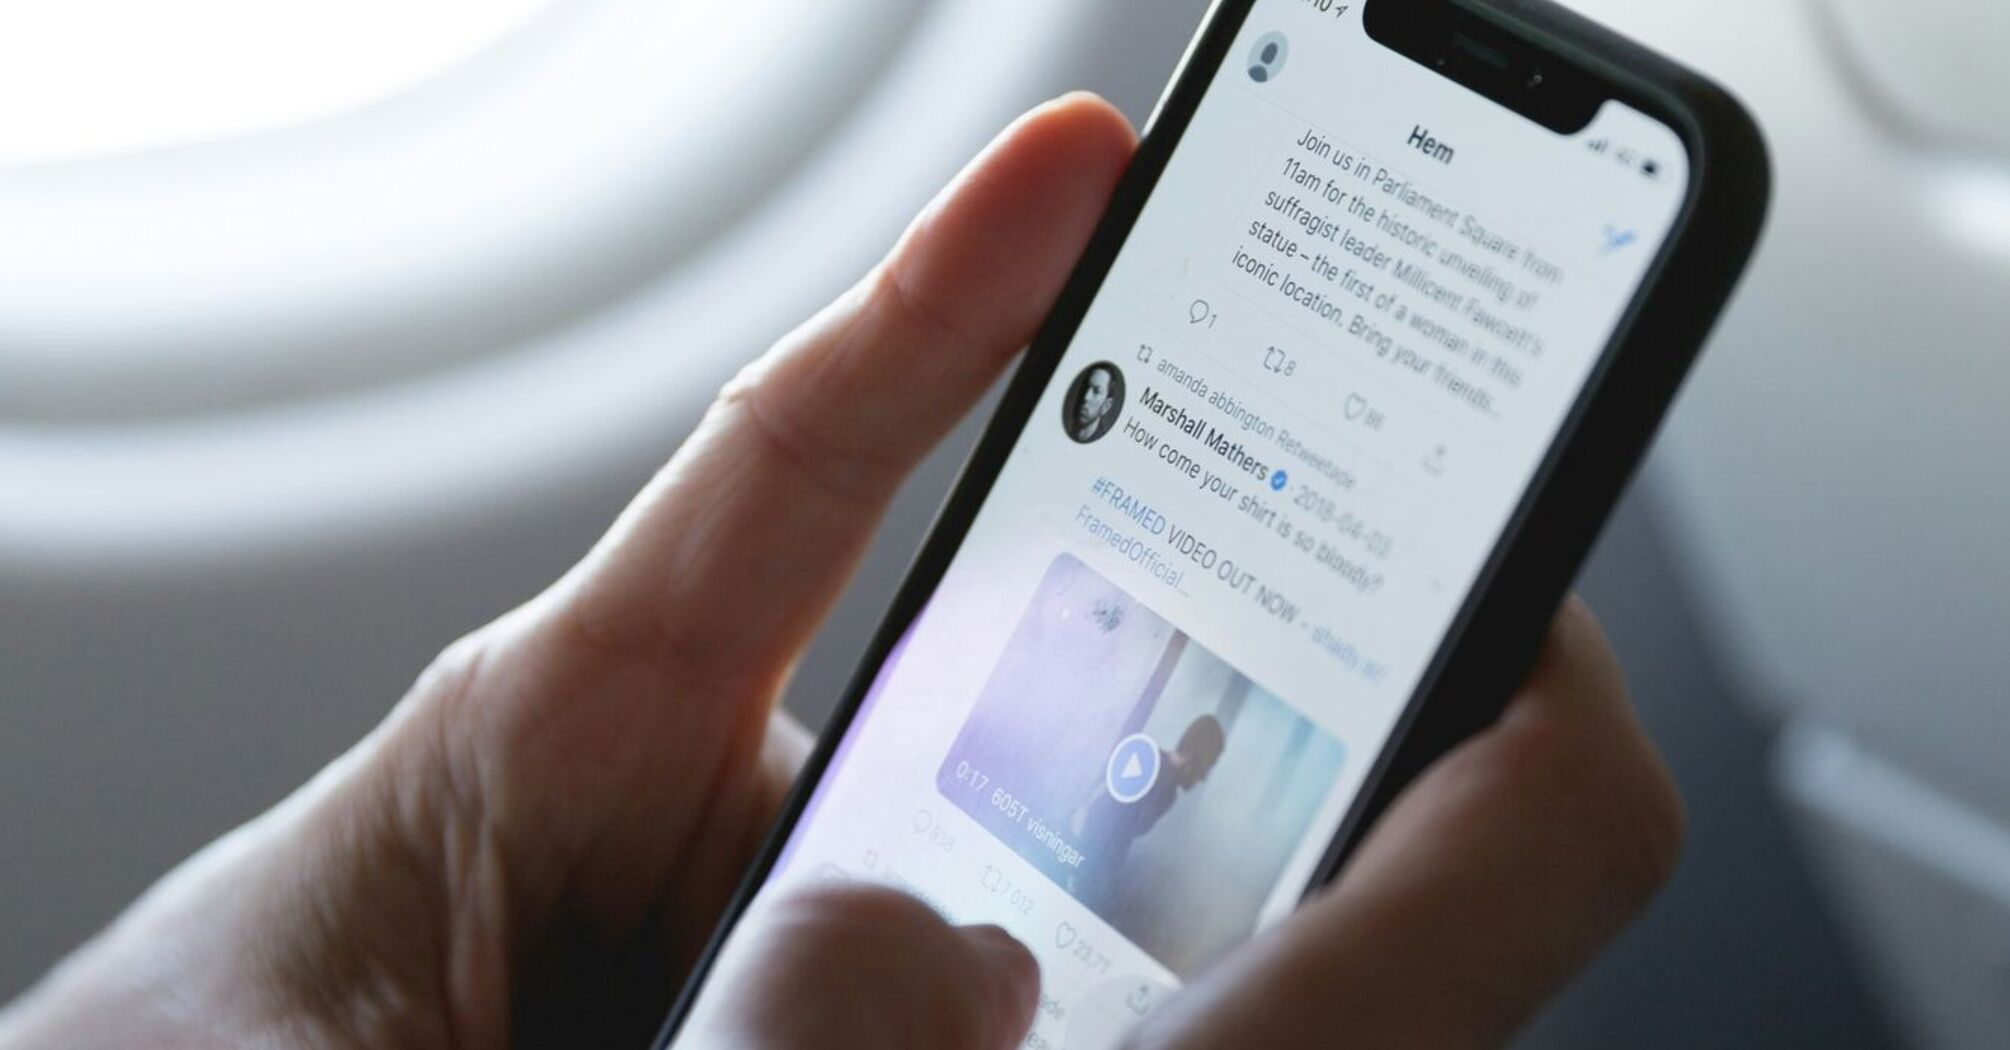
1133 768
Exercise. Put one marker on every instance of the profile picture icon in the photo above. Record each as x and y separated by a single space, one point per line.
1266 59
1094 401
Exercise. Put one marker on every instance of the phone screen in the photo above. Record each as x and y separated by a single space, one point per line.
1285 439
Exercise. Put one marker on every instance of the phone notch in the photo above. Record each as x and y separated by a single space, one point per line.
1486 57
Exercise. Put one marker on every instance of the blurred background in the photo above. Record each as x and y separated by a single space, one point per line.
330 330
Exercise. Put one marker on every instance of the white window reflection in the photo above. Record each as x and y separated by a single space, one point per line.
82 78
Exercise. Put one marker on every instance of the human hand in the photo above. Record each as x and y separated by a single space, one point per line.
537 841
1492 879
534 845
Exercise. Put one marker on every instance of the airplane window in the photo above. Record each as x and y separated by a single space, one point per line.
217 205
86 78
1933 67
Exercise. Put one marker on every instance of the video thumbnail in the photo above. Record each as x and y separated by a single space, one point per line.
1137 770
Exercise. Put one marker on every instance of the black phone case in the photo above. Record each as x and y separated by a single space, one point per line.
1494 639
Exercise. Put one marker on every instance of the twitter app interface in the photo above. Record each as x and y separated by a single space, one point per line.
1326 363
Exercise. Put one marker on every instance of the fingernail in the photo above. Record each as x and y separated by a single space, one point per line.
1012 975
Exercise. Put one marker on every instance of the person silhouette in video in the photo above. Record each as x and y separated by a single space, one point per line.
1105 827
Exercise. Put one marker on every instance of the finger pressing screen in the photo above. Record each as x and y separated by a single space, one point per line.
849 966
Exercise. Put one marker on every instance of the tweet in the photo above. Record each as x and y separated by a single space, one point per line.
1275 457
1112 752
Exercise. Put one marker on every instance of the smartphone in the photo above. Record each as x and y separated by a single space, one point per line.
1282 499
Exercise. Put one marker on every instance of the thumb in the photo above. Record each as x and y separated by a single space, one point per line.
852 966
